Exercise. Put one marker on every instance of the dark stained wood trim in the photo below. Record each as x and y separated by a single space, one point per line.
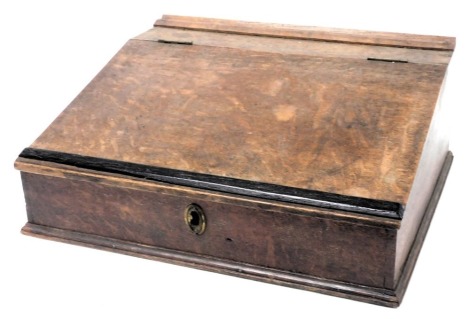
223 184
117 180
309 33
383 297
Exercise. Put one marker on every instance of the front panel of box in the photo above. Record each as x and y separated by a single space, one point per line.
296 243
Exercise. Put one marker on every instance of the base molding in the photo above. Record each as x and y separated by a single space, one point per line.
384 297
345 290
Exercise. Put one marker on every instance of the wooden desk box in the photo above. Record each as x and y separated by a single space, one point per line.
307 157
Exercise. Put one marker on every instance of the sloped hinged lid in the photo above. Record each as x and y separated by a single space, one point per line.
323 117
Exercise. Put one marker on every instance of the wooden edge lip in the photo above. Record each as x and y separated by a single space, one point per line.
223 184
377 296
404 40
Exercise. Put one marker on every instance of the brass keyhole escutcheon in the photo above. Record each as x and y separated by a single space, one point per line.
195 218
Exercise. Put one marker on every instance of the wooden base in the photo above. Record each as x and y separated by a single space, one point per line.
384 297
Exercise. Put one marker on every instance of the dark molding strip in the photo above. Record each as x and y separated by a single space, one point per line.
223 184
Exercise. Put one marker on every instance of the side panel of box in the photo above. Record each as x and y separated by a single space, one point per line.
431 163
295 243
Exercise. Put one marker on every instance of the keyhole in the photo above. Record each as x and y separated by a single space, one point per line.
195 218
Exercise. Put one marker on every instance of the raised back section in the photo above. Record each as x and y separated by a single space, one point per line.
401 40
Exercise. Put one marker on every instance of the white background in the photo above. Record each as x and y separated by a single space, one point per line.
49 50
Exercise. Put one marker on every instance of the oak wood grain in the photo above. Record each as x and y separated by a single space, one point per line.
350 127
